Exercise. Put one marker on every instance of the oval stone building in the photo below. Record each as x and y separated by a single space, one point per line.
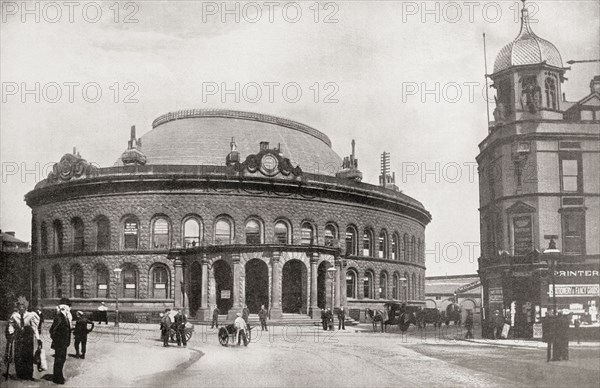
225 208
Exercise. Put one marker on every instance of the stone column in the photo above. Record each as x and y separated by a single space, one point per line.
338 280
187 269
314 310
276 312
204 312
235 289
178 279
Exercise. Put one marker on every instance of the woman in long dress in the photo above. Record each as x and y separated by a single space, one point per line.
23 326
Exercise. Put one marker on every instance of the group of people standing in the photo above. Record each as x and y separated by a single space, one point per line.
173 320
327 319
24 335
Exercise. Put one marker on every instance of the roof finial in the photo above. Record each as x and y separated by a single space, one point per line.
525 27
233 145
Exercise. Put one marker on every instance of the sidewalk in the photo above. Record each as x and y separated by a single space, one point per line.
528 343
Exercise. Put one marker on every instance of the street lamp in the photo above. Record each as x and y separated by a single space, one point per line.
552 254
117 272
331 273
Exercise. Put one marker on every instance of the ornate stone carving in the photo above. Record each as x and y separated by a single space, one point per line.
269 162
531 95
71 166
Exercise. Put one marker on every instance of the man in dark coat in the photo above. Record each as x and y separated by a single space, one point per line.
215 318
245 314
341 319
180 321
262 315
81 333
324 319
60 332
165 327
469 325
548 335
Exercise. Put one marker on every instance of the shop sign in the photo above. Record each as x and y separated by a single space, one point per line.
578 273
495 295
537 330
522 235
225 294
569 290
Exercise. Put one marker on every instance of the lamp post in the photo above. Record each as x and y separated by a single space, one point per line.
331 273
552 254
117 272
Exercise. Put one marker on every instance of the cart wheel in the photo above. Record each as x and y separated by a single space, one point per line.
223 336
249 334
188 335
172 335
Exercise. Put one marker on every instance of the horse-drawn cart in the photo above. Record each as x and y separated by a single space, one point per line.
227 334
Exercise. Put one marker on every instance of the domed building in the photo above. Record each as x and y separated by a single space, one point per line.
539 191
225 208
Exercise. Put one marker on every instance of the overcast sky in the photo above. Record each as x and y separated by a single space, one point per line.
368 60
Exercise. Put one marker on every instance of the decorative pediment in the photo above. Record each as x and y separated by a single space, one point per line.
520 207
268 162
71 166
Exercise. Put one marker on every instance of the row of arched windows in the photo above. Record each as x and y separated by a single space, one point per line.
53 287
406 248
404 288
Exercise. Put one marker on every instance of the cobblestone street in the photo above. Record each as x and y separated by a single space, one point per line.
301 356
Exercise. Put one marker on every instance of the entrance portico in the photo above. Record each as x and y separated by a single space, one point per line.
283 278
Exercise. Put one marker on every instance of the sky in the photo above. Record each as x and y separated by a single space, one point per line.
398 76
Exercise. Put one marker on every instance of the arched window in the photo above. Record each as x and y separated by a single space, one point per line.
223 231
383 245
44 238
58 236
395 286
282 234
414 286
351 242
351 284
191 233
412 248
102 280
253 232
102 234
43 284
368 285
56 281
550 85
130 233
383 285
405 247
368 243
160 281
78 239
308 234
129 279
419 250
160 234
395 247
76 282
330 235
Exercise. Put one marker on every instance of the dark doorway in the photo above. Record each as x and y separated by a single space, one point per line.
195 287
257 285
323 286
293 286
224 286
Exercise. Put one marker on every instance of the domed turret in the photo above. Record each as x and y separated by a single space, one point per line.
527 49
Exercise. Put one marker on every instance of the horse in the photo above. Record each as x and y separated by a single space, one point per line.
453 313
379 316
429 315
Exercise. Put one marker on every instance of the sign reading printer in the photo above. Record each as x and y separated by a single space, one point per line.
575 290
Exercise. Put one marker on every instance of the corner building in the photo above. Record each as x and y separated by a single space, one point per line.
225 208
539 186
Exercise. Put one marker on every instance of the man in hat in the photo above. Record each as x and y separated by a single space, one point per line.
23 329
165 326
215 318
341 319
262 315
60 332
245 313
240 326
102 313
180 322
81 332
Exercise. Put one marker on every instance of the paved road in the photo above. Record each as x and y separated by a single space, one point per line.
306 357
